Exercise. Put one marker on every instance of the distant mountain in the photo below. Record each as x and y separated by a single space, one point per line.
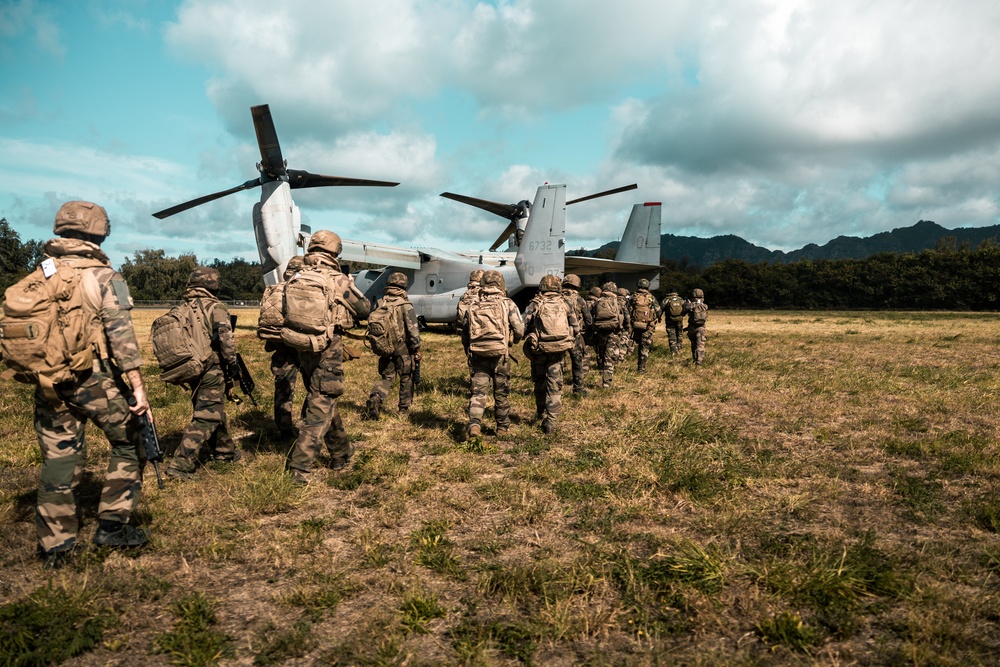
924 235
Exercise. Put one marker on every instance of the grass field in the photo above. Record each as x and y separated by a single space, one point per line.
825 490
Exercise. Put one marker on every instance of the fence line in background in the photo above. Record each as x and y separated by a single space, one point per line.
170 303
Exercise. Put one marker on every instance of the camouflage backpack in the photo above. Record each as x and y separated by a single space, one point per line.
607 313
551 332
182 343
48 331
271 318
385 331
675 307
699 313
489 328
313 309
642 310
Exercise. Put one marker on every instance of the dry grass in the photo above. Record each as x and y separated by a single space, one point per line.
826 489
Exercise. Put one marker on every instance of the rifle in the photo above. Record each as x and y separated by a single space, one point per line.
151 442
416 371
247 385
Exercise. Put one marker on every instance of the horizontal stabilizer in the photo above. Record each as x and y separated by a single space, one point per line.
381 255
590 266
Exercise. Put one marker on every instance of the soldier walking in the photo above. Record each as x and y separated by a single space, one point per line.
552 329
400 348
284 360
623 339
492 324
470 294
87 388
608 323
320 304
208 425
697 312
645 313
578 353
673 310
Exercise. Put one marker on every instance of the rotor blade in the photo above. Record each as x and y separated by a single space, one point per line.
511 228
509 211
298 178
167 212
271 162
603 194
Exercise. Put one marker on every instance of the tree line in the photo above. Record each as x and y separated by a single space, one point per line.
950 277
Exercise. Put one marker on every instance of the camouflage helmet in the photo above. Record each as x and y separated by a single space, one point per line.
476 276
493 278
397 279
82 216
205 276
697 294
622 291
326 241
294 265
609 287
571 280
643 283
549 283
595 291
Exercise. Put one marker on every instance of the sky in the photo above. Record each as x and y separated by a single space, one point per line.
783 122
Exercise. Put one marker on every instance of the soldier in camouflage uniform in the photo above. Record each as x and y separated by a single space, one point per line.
604 340
578 353
59 424
547 368
674 323
495 370
643 326
696 329
407 350
624 343
208 425
323 371
284 367
470 294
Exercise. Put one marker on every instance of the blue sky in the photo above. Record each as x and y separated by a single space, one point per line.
784 122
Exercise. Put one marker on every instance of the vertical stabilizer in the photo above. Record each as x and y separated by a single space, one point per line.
543 247
641 242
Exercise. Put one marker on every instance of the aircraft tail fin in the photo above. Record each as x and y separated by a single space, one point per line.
543 246
641 241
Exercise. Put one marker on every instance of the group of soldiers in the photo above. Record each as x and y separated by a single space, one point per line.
558 321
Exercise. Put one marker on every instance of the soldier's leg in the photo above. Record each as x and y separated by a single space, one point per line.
338 444
317 416
693 337
699 342
538 369
608 372
380 391
552 383
644 343
578 361
60 439
480 388
285 368
501 393
404 365
208 419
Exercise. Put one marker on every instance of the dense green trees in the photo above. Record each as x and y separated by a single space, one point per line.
17 258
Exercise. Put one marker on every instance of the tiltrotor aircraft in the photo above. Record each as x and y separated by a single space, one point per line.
438 278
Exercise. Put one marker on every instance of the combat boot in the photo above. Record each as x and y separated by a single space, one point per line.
179 474
54 560
120 535
372 409
580 391
548 427
475 430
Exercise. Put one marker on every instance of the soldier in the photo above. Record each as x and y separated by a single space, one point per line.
673 309
406 335
697 312
552 328
645 315
623 341
323 370
608 323
62 410
471 294
284 360
578 353
208 392
492 324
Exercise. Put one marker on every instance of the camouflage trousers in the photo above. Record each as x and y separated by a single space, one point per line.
487 371
697 337
643 344
618 345
579 363
675 334
604 345
323 373
285 369
388 368
60 431
208 425
547 374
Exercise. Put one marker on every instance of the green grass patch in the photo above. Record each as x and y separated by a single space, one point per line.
194 640
279 645
419 609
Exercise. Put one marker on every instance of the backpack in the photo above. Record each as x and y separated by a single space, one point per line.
699 313
47 332
182 343
607 313
489 328
675 307
312 310
550 326
271 318
384 330
642 310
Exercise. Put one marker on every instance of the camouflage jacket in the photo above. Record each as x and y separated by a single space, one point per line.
217 316
115 305
470 294
580 308
411 328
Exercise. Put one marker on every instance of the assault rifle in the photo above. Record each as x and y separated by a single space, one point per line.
416 371
150 441
247 385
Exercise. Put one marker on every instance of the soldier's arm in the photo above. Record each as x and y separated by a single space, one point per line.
356 301
412 328
515 321
222 332
588 317
574 322
123 347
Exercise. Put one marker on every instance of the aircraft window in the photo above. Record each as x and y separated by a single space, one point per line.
431 283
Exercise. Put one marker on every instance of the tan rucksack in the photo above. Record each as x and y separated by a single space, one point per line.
489 327
271 317
385 329
313 308
551 332
642 310
608 313
182 343
48 332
